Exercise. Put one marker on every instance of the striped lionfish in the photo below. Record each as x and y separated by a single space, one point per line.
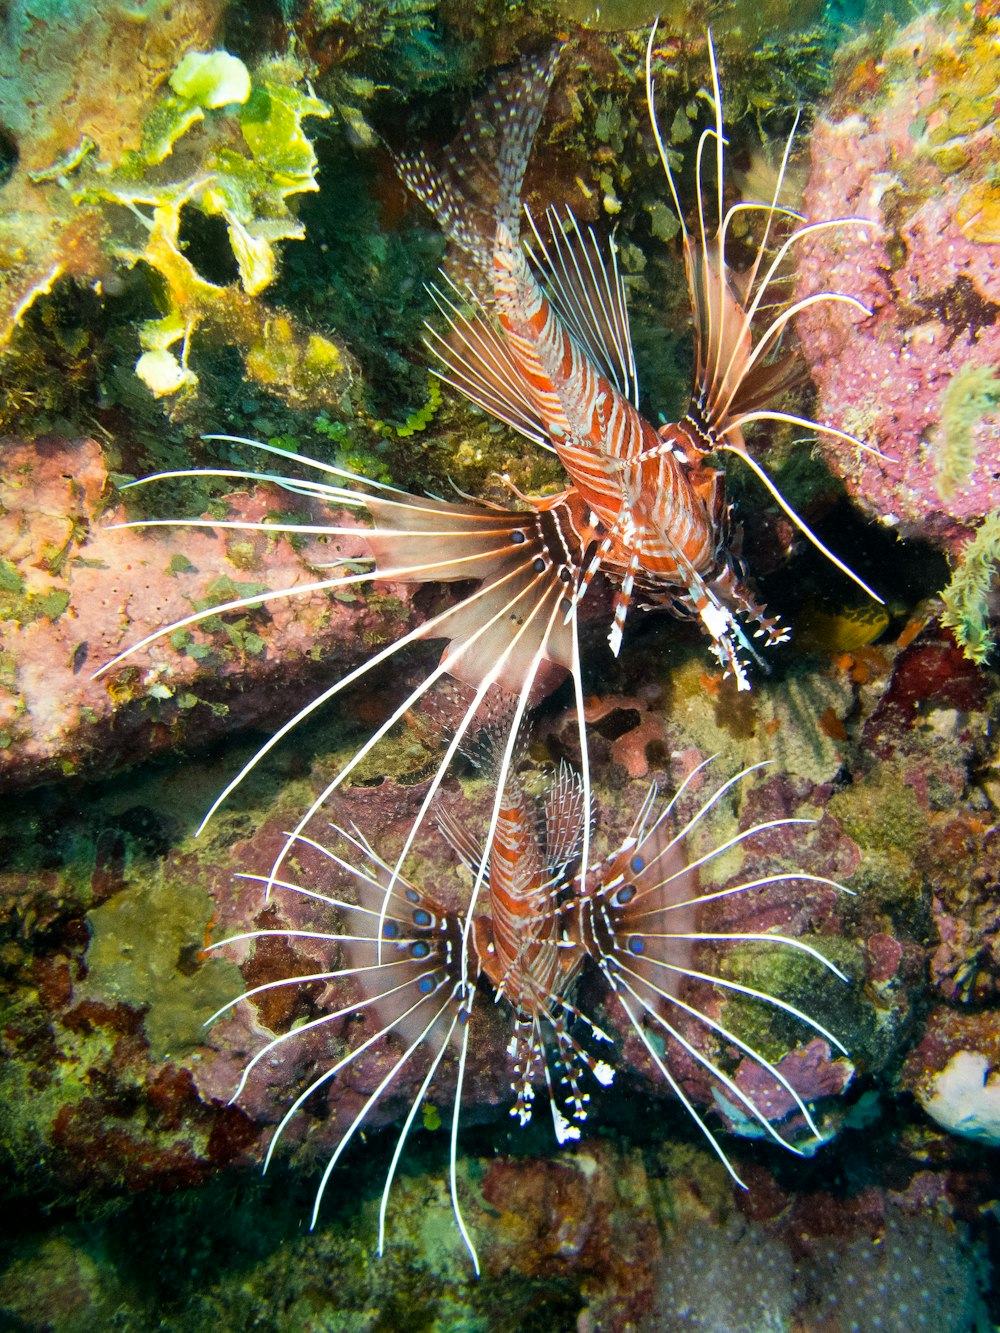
429 975
549 353
554 361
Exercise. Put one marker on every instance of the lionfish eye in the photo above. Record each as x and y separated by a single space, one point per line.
421 949
412 896
421 917
390 930
517 537
637 865
624 895
636 945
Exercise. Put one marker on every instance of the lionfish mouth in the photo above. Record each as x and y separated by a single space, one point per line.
418 973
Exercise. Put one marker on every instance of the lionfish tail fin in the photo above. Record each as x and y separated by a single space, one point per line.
518 104
476 184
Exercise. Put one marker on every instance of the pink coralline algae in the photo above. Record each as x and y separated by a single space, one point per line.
909 141
62 617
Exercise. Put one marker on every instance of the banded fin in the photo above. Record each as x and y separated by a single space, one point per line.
586 288
510 630
639 923
477 182
565 811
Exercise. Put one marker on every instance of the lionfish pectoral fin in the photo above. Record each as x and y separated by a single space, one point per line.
418 995
418 1101
586 288
741 451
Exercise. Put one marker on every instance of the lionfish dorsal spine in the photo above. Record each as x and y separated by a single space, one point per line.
735 382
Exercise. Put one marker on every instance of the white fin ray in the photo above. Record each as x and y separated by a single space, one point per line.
373 1098
714 1069
588 294
726 984
674 1086
407 1126
476 361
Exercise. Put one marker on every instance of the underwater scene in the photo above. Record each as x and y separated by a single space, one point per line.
499 693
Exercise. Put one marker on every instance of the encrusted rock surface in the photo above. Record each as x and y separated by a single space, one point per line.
75 591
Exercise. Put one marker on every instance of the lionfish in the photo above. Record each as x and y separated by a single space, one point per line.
554 361
429 974
547 349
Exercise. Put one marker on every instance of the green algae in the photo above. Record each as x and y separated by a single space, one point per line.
968 596
249 193
145 952
211 79
793 976
23 607
881 813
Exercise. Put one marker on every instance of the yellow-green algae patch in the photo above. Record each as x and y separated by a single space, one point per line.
881 813
779 720
145 952
799 980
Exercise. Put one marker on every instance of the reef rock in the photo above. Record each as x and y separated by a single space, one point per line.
75 592
908 140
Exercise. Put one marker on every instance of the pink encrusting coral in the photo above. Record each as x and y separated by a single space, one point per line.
909 141
60 613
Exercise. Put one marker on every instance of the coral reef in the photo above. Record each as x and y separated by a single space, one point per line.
908 140
214 145
57 63
135 1181
248 190
60 620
